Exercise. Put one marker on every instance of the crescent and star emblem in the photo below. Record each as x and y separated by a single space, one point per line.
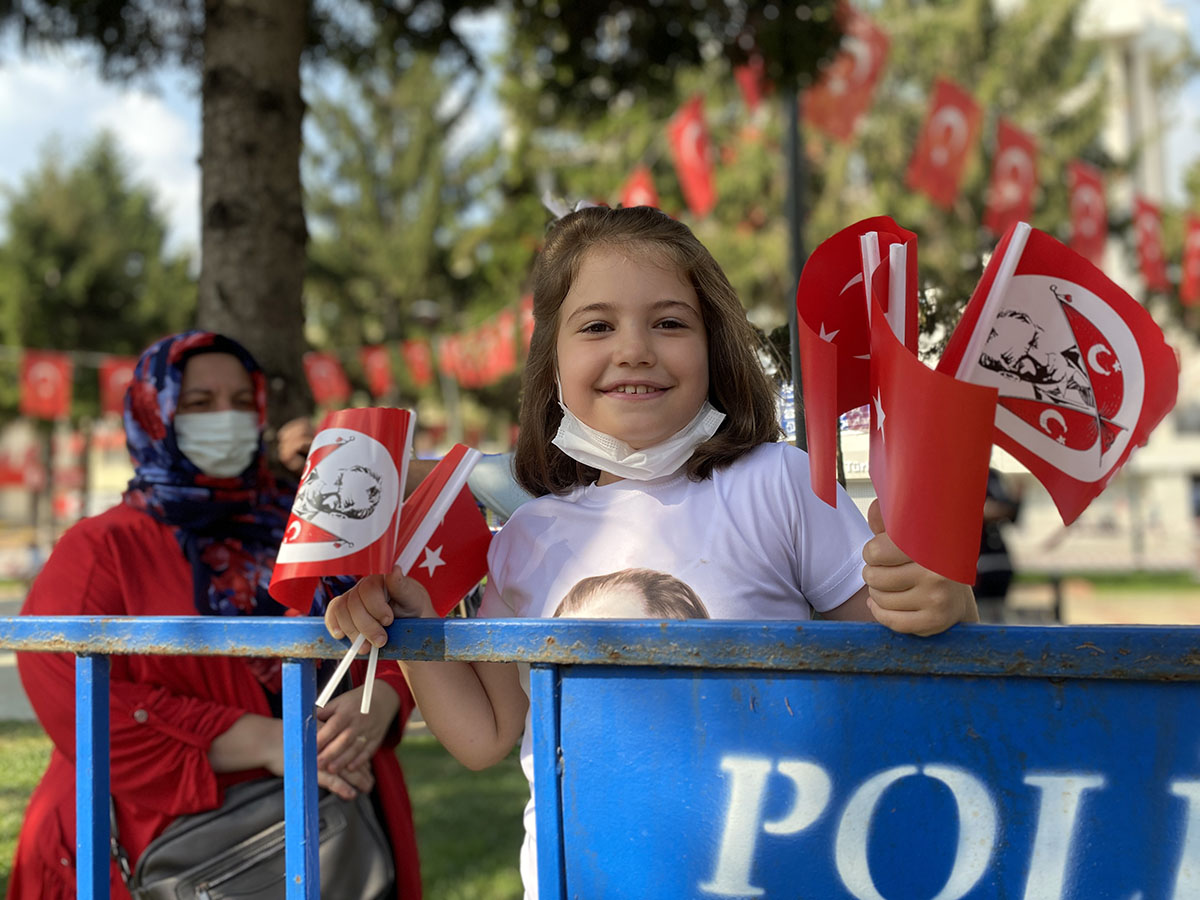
293 532
44 377
1051 415
949 127
1093 358
1086 205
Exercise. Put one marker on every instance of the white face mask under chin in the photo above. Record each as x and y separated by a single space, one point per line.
220 444
586 445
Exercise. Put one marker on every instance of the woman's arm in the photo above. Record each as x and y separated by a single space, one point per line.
477 710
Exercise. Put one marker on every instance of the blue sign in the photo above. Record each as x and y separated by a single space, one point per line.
712 784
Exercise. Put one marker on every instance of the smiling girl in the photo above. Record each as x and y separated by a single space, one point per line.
649 436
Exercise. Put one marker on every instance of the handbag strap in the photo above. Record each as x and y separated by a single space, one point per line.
118 852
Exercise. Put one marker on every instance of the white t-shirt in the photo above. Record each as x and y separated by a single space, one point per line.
751 542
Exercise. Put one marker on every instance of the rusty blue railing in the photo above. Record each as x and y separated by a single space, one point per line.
736 759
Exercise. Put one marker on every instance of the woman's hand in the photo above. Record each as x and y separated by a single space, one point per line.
292 442
904 595
256 742
373 604
346 739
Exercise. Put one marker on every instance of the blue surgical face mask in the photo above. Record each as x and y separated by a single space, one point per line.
220 444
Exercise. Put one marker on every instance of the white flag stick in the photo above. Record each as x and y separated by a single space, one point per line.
369 681
340 672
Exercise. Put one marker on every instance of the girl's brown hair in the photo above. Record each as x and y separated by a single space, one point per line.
737 387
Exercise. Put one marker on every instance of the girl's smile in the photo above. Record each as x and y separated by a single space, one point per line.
632 348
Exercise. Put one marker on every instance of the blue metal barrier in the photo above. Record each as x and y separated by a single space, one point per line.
736 760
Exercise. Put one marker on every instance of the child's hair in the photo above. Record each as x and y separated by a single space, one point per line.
664 596
737 384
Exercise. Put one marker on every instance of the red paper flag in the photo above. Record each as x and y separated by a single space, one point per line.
1089 213
346 515
639 189
693 157
1014 176
326 379
930 446
751 79
504 348
837 102
946 140
527 322
377 367
45 384
418 357
831 310
115 374
443 536
1083 372
1189 289
1147 223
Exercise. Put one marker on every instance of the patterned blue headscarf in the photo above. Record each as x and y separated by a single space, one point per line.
228 528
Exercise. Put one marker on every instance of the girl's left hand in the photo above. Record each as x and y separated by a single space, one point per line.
904 595
346 739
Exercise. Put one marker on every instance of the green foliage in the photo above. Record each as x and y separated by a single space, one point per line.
84 264
25 750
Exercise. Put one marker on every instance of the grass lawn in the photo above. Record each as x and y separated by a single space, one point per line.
468 823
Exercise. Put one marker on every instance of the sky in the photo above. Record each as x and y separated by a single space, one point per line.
57 95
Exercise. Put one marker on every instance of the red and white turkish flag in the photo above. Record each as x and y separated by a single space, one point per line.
930 446
418 359
751 81
1147 226
639 189
690 146
843 94
504 343
1189 288
346 515
835 340
326 378
115 374
45 384
945 142
444 538
1083 372
1014 176
377 367
1089 212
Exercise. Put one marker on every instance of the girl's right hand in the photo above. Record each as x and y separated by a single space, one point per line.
373 604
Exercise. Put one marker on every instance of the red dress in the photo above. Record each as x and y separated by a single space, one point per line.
164 714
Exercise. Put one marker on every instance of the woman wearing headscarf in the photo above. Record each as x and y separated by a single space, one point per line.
196 534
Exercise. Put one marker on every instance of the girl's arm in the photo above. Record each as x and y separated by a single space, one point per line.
477 710
902 594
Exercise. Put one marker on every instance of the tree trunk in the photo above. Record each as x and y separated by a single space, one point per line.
253 233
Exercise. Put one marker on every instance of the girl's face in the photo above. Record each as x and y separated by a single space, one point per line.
632 350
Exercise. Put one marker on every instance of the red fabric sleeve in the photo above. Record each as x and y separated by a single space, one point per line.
159 739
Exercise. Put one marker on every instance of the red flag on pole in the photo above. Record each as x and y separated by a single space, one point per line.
346 515
326 378
841 97
115 374
418 358
1083 372
377 367
831 308
1189 289
1089 213
45 384
946 140
639 189
693 157
930 444
1147 224
1014 176
443 536
751 81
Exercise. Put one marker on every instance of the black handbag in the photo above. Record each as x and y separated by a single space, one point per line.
237 850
